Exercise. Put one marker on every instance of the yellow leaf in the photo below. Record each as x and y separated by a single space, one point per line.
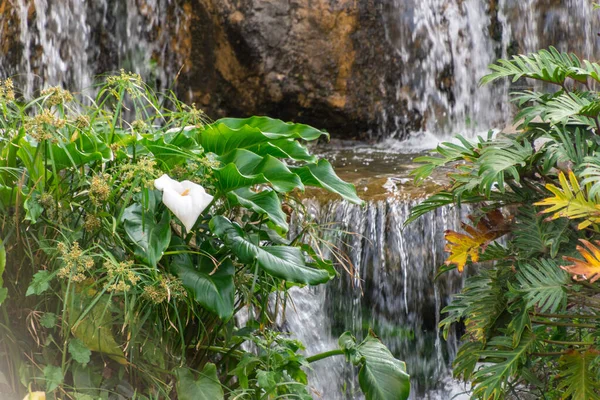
588 269
463 247
570 201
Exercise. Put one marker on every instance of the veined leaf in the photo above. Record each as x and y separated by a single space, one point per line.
504 361
502 161
577 378
281 261
151 237
533 236
210 285
588 269
322 175
466 359
244 168
284 148
94 328
570 201
206 387
381 376
228 134
463 247
265 202
542 283
545 65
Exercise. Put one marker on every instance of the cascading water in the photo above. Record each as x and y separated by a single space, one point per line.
393 292
68 43
446 46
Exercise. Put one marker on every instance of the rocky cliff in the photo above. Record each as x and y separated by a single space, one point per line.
306 60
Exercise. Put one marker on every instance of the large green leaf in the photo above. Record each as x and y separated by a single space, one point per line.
281 261
172 153
322 175
210 285
266 202
284 148
243 168
381 376
150 236
90 320
206 387
228 134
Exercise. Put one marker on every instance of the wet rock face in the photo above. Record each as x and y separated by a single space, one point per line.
303 60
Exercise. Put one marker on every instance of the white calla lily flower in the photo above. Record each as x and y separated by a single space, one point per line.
185 199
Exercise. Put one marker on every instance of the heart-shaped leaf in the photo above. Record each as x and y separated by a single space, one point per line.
381 376
211 285
150 236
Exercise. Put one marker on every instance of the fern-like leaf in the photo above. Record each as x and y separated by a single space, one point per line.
542 283
546 65
503 160
570 201
534 237
577 377
503 362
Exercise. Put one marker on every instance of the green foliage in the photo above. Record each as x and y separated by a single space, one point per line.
206 387
531 316
134 229
381 376
579 378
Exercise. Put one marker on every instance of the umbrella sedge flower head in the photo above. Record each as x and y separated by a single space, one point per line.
185 199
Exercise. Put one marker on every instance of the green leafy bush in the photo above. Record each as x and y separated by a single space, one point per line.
134 231
531 316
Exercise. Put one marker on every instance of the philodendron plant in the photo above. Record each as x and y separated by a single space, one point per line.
134 231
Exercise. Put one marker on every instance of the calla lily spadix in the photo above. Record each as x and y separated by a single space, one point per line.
185 199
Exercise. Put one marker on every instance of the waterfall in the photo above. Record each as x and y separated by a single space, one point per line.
446 46
393 292
69 42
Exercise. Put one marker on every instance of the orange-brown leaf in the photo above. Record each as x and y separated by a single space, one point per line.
463 247
588 269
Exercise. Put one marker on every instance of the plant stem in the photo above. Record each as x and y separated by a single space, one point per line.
567 324
565 316
326 354
567 343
